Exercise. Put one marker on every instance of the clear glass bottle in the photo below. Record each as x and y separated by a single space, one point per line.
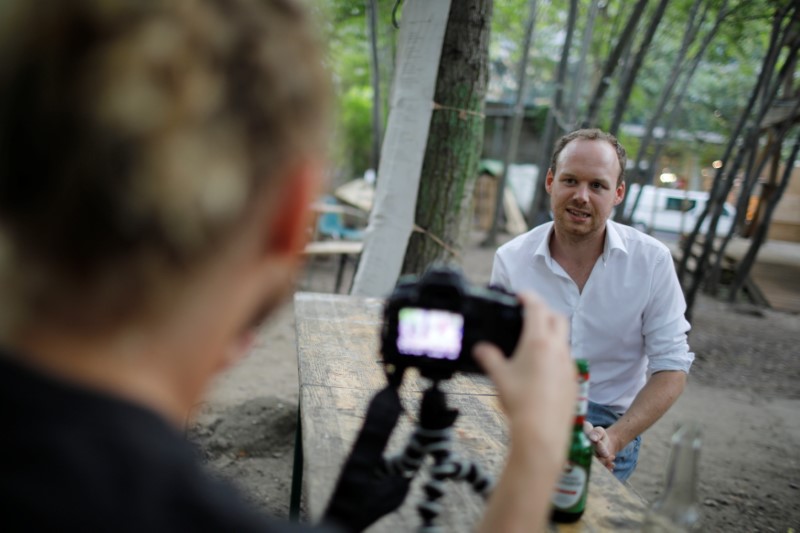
677 509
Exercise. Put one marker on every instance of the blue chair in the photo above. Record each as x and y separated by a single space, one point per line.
330 224
330 228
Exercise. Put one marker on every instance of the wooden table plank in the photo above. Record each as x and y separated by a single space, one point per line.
339 370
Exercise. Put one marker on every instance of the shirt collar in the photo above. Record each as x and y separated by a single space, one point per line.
613 241
543 249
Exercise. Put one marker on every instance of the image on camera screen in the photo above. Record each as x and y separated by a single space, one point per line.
432 333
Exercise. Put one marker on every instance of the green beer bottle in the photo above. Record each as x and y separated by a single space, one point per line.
569 498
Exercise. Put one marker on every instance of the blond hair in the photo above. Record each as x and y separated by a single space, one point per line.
134 135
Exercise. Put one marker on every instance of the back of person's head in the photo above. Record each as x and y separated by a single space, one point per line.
134 136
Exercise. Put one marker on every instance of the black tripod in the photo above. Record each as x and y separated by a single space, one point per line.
434 436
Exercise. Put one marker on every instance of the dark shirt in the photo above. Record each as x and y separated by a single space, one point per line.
72 459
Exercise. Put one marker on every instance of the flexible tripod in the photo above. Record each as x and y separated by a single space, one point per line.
433 436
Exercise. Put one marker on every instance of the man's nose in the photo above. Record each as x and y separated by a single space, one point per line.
582 193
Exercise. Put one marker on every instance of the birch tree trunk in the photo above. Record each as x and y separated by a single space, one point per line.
392 215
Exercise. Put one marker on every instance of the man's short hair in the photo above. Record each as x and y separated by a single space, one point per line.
134 136
591 134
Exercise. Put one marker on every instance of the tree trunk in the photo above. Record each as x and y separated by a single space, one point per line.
611 63
455 139
755 165
773 151
391 219
637 176
578 81
761 233
626 86
761 81
552 130
720 191
375 78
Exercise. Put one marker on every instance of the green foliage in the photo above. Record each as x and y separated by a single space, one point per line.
714 101
355 120
345 23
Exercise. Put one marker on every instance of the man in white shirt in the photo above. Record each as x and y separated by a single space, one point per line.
618 288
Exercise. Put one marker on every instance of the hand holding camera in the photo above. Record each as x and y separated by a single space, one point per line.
441 325
433 323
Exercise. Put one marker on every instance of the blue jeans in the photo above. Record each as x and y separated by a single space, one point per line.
625 463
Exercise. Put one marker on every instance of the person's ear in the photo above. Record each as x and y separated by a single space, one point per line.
289 222
619 193
548 181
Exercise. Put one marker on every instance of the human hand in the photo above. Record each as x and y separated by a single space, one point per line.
364 492
537 386
604 446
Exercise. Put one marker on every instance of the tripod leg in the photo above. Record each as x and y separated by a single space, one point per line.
430 508
410 461
462 470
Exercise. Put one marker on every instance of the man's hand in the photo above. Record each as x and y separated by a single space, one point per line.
605 448
660 392
537 389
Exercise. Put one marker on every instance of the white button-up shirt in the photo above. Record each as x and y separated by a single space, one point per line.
629 320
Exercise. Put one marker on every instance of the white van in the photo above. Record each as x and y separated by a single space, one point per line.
673 210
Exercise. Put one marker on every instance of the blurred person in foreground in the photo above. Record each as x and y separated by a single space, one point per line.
157 161
618 288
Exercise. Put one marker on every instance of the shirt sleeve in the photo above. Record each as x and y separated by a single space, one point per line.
664 326
499 273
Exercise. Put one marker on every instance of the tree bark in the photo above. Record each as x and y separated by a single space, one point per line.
455 139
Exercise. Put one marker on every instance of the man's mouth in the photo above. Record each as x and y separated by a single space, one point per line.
576 213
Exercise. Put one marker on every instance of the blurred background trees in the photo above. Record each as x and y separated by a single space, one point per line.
686 84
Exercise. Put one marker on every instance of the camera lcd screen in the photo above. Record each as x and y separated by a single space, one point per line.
432 333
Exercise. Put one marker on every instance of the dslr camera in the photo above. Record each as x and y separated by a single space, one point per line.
433 322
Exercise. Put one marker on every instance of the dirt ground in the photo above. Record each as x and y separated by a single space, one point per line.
744 391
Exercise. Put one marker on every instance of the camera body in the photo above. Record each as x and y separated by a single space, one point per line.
433 322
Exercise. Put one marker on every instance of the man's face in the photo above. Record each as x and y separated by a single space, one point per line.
584 189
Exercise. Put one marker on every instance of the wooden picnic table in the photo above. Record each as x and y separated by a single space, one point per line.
339 372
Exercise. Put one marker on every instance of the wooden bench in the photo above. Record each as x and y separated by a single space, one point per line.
340 370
